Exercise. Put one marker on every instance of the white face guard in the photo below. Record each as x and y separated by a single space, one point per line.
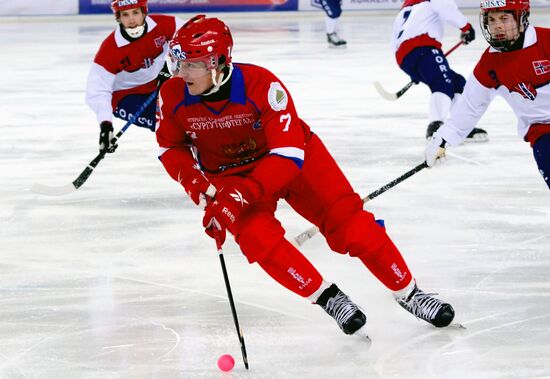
135 32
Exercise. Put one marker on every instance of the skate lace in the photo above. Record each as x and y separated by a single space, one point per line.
423 305
340 308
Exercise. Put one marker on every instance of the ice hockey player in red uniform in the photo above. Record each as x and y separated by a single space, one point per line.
515 66
230 133
417 35
127 67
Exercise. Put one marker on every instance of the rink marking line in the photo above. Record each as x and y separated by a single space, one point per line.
460 157
12 360
222 297
178 338
507 264
430 363
381 362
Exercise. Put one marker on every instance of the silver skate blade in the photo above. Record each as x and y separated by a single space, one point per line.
42 189
456 325
362 334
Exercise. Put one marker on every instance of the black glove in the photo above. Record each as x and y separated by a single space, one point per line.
468 34
163 75
106 143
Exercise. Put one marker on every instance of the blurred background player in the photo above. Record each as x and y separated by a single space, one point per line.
417 35
230 133
127 67
333 10
515 66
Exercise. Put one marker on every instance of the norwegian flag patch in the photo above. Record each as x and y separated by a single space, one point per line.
541 67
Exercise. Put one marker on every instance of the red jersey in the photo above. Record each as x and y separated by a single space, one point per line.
123 67
521 77
230 136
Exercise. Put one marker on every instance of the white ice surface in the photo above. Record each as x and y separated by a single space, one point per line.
118 280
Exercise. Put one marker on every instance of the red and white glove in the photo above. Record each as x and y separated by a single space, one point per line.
229 204
467 34
198 187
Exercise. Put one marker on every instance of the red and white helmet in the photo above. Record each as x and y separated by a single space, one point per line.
122 5
520 10
203 39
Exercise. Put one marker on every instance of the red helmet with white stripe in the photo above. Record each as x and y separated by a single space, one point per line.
204 39
122 5
497 32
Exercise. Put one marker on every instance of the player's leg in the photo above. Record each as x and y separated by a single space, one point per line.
128 105
261 239
324 196
333 9
541 152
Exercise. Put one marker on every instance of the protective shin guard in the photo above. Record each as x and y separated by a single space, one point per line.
388 266
292 270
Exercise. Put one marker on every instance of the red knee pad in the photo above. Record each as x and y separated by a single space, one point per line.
257 239
340 212
359 235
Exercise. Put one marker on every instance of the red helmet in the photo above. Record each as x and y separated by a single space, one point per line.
504 5
520 10
122 5
203 39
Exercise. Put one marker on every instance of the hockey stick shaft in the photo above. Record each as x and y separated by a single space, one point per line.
85 174
230 297
308 234
398 94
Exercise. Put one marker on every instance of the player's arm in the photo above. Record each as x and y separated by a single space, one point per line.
448 11
464 116
467 111
99 94
286 140
175 151
285 137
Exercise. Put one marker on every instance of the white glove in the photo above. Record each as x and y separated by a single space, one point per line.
435 149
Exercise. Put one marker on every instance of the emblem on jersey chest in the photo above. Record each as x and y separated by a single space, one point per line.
541 67
277 97
160 41
241 150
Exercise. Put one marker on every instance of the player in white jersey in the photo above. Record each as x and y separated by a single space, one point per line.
516 66
333 10
128 67
417 35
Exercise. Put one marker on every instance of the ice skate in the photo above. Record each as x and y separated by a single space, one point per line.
426 307
334 40
347 314
432 128
477 135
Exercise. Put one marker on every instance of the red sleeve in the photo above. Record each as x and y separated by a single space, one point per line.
284 132
482 71
175 147
106 56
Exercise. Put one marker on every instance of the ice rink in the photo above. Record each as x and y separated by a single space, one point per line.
118 280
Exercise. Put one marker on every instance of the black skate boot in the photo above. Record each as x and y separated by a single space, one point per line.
339 306
477 135
334 40
432 128
428 308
